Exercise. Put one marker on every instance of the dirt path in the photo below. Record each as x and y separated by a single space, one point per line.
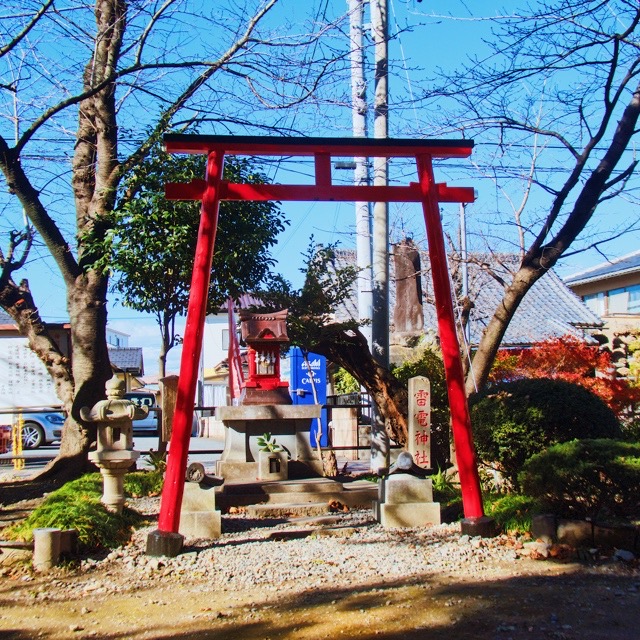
523 599
423 584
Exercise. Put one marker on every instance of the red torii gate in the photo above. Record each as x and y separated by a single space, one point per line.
166 540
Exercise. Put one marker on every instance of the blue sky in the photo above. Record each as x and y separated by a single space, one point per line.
436 33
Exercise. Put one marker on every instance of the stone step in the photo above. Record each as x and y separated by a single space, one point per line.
287 510
354 495
312 485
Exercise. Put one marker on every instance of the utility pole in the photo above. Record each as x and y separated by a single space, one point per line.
465 266
380 320
359 109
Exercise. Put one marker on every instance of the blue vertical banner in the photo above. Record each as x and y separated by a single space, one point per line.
304 376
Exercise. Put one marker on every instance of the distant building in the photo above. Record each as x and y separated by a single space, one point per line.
612 290
25 381
117 338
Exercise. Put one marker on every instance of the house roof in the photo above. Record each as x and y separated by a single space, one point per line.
629 263
127 360
5 319
550 308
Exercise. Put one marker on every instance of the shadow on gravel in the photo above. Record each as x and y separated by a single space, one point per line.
578 603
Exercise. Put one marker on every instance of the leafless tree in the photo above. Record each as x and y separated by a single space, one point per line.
562 78
87 87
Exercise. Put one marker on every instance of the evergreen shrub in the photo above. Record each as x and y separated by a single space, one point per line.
512 421
586 478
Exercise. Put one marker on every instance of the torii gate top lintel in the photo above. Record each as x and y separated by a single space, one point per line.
322 150
302 146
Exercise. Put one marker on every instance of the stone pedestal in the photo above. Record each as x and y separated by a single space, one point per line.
406 501
113 467
198 515
290 427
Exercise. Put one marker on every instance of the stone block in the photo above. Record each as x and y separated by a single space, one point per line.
237 471
544 527
201 524
483 526
409 514
198 497
403 488
164 543
576 533
619 537
46 548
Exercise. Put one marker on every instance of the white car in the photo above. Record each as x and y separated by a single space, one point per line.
148 426
41 427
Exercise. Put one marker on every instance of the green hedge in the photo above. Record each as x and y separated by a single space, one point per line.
586 478
512 421
77 505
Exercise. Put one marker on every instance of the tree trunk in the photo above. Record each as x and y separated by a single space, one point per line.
493 334
86 301
350 351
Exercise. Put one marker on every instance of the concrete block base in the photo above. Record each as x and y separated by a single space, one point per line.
198 497
408 514
201 524
404 488
237 471
484 527
164 543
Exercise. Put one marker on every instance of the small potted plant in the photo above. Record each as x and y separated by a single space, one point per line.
272 459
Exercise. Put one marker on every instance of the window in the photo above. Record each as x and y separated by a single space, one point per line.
634 299
618 301
225 338
595 302
624 300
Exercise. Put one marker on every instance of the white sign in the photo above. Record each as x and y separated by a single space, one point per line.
24 380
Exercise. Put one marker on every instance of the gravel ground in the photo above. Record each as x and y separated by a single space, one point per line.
343 576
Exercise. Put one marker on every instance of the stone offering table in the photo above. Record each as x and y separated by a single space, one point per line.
289 426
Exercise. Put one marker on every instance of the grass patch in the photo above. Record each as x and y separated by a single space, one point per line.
513 512
77 506
144 483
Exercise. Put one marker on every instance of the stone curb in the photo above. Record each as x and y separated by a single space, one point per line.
584 533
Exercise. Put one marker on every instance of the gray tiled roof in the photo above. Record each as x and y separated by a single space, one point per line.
127 359
5 318
629 263
550 308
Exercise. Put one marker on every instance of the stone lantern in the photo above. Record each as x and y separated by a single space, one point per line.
264 334
114 454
